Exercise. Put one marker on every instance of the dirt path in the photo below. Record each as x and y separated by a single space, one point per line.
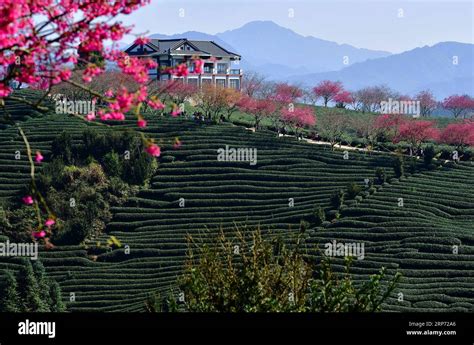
318 142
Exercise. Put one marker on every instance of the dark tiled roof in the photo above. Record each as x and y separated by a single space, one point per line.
202 47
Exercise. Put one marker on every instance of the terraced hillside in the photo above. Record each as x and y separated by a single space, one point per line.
417 238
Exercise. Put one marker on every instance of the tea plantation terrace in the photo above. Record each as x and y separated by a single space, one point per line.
417 239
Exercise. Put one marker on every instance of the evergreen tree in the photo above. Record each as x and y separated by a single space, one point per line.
29 290
43 283
9 298
57 304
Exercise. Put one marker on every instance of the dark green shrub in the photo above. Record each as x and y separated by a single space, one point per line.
112 165
380 176
139 168
304 225
319 215
62 148
428 154
353 189
337 199
398 166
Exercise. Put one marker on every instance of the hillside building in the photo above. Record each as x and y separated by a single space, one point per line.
220 65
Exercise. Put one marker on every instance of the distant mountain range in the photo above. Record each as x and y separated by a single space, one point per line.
281 54
431 68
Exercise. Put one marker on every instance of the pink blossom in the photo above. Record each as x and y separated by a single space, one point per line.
142 40
39 157
176 111
156 104
153 150
327 90
4 90
39 234
198 66
180 71
50 222
90 72
90 116
141 123
25 33
299 117
28 200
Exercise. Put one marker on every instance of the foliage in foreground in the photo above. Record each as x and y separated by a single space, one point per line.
30 291
82 183
250 273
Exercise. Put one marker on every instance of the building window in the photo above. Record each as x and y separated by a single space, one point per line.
208 68
221 68
220 82
235 84
206 81
193 81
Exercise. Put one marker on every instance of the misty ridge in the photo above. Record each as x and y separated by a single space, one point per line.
445 68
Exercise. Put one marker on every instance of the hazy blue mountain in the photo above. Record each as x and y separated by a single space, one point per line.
278 52
421 68
281 54
273 70
264 42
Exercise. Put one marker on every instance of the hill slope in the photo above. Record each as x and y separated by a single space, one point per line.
417 240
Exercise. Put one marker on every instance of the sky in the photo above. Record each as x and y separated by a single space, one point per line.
389 25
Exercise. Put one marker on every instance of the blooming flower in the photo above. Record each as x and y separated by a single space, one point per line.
39 234
198 65
153 150
181 70
27 200
141 123
109 93
176 111
90 116
90 72
4 90
142 40
50 222
156 104
39 157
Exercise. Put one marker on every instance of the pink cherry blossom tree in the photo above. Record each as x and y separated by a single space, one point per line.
343 98
283 96
298 118
427 102
415 132
458 134
388 125
327 90
258 108
43 42
458 105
